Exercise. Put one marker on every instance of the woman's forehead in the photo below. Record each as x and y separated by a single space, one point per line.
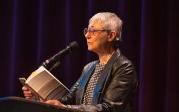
96 23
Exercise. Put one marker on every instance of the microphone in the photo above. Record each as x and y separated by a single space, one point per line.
53 60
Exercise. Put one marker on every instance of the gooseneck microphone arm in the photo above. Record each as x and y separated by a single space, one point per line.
54 61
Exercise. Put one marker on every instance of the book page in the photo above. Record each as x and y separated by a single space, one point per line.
45 84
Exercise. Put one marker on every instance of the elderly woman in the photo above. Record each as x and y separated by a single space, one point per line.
107 84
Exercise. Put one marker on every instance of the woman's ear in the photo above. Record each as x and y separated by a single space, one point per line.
112 36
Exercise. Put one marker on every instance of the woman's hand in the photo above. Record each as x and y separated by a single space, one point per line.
55 102
27 93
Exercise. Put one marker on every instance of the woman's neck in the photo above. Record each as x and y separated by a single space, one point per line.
105 56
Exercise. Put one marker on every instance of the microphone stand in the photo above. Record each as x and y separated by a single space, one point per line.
54 61
50 65
54 66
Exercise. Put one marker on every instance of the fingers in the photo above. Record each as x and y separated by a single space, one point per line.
27 93
52 102
55 102
24 88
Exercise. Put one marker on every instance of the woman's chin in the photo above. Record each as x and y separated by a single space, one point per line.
89 49
92 50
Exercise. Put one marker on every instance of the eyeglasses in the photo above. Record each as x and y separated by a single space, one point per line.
92 31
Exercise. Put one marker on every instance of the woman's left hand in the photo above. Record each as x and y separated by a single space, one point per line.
55 102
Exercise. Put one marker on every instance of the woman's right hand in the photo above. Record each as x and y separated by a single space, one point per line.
27 93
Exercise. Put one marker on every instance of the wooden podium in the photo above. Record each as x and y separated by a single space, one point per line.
18 104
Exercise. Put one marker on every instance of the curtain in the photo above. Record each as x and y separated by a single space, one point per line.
32 31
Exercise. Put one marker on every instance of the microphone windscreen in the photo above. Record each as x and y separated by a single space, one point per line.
74 44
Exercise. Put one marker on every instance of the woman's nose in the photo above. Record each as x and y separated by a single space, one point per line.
87 35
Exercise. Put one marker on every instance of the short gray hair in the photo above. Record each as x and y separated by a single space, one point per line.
111 22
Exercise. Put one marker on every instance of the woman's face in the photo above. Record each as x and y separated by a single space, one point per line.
96 36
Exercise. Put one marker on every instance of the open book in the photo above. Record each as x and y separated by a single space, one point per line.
45 85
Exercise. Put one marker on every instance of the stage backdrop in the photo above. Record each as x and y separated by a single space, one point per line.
31 31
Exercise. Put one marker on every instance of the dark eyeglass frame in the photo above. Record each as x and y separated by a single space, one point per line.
93 31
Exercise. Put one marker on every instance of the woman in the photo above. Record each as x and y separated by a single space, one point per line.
106 84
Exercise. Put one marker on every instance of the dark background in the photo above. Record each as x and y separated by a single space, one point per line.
31 31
